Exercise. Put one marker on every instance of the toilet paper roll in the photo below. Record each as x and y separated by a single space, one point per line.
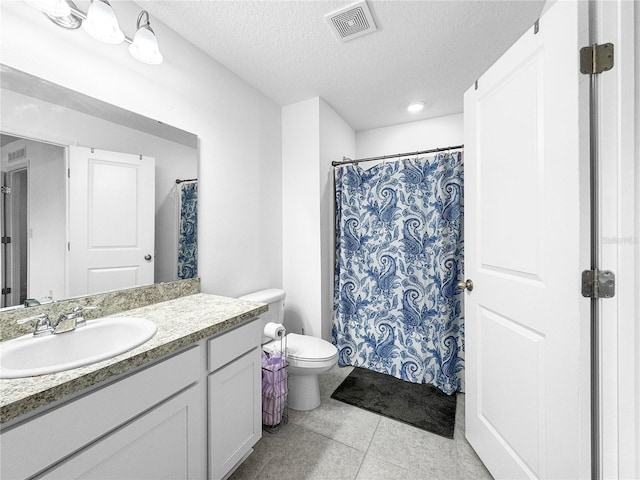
274 330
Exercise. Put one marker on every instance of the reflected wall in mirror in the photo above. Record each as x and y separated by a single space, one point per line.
74 168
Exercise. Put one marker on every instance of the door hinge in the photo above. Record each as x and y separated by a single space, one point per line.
596 58
6 291
6 239
6 190
598 284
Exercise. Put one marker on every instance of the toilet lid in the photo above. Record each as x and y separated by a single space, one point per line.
306 347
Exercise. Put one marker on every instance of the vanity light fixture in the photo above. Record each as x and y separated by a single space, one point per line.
415 107
145 45
71 21
57 8
101 23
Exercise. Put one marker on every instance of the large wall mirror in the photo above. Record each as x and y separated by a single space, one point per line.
94 197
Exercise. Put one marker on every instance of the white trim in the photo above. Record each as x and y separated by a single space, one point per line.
619 251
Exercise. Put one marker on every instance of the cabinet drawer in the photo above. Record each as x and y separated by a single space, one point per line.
232 344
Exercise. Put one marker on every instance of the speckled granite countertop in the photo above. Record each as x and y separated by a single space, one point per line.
181 322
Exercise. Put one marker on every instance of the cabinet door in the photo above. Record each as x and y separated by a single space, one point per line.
235 418
161 444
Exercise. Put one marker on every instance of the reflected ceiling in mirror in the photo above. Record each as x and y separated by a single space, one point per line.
37 113
35 87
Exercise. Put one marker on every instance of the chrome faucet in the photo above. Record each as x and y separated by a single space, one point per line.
65 322
72 320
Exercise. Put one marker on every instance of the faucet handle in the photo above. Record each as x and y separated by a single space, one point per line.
42 323
80 320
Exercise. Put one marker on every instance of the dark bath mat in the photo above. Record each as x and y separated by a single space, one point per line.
421 405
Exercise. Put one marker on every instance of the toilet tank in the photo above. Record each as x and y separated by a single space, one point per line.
274 297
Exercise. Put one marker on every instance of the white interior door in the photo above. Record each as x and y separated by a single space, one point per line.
111 220
526 232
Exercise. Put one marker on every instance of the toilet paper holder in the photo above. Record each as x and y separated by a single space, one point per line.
275 384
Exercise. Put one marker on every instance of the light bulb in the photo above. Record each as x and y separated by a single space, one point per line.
415 107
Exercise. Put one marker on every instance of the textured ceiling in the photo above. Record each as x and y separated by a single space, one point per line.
423 50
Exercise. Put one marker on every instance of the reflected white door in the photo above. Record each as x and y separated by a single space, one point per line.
111 220
526 161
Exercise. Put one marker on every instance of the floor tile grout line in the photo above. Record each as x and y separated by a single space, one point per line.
364 457
372 436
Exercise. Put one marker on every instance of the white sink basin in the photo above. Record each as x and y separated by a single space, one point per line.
99 340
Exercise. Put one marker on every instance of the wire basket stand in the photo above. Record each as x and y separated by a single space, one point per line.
275 388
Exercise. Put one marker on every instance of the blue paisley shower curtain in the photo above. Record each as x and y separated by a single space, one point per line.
188 230
399 254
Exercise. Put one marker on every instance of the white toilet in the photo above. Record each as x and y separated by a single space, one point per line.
307 356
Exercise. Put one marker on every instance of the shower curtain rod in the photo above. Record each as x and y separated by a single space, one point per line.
347 161
187 180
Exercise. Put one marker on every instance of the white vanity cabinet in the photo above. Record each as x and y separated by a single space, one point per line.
235 397
107 426
192 415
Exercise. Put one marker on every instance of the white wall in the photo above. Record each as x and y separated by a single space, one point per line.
312 136
301 269
410 137
47 226
240 224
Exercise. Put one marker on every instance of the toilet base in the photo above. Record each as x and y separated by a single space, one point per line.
304 392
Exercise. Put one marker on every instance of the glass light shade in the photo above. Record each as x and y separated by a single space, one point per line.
415 107
57 8
145 47
101 23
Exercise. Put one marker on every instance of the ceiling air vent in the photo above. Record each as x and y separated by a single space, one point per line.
352 21
18 154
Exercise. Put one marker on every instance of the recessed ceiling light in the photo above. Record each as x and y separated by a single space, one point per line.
415 107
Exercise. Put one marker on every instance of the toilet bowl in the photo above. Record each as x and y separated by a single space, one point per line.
307 356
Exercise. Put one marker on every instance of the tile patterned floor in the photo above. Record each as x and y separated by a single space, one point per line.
338 441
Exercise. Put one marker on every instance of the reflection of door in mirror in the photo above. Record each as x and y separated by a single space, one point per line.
111 220
33 220
74 227
14 236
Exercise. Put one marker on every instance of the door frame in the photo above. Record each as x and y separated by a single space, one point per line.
12 273
619 236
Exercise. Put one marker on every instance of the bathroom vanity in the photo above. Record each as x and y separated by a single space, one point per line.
186 404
